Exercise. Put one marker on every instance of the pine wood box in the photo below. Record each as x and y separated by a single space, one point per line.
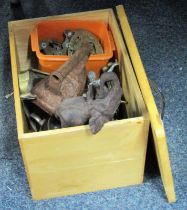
72 160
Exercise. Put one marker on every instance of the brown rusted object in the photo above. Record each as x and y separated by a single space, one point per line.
78 110
68 81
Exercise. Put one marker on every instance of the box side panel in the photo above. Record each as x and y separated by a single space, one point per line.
63 163
15 69
136 105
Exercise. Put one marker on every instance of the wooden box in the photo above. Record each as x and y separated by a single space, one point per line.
72 160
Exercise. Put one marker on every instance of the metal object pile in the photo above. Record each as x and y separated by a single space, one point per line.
70 97
72 41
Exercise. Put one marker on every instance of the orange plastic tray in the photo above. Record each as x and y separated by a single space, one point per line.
54 30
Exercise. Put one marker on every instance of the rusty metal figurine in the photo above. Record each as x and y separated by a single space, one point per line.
66 82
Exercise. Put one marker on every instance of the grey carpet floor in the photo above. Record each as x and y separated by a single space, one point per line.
160 30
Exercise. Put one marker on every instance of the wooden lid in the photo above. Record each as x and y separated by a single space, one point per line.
158 131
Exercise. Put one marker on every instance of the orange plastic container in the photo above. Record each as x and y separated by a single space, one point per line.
54 30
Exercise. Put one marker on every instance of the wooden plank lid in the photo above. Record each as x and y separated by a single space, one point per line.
160 141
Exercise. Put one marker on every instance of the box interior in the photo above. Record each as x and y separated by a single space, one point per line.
25 59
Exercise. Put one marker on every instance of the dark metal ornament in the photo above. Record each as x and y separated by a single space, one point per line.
51 123
78 110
